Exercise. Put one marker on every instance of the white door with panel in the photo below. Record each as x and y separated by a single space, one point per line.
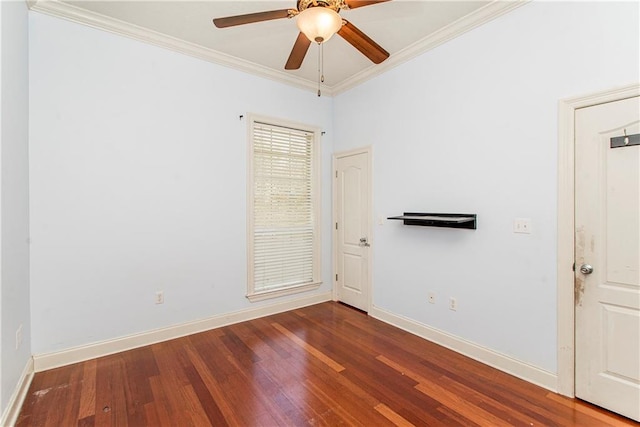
352 229
607 256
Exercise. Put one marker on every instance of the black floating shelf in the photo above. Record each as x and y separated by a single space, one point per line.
448 220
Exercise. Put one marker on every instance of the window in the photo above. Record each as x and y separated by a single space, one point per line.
283 208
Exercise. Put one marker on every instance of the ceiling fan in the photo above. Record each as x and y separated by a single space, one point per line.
317 20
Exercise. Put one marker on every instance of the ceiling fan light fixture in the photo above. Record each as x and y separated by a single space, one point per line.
319 23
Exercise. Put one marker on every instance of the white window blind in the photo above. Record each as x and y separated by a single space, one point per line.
284 247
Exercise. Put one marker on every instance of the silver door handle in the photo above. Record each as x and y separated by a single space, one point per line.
364 242
586 269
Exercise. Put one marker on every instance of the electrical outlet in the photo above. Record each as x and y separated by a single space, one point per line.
19 337
522 225
453 304
160 297
432 298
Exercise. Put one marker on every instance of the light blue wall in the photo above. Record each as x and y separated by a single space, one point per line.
471 127
138 183
14 196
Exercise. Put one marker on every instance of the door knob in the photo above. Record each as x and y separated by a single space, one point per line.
364 242
586 269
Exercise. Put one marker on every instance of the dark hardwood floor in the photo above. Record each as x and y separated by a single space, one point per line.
324 365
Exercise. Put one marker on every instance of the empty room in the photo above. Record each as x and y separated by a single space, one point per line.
319 212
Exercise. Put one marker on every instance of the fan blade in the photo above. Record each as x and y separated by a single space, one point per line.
231 21
298 52
353 4
363 43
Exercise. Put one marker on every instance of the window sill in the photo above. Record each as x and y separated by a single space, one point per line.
263 295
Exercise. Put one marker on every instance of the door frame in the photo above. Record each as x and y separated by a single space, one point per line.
368 150
566 226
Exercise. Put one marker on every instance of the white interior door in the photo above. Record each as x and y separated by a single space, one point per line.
352 229
607 239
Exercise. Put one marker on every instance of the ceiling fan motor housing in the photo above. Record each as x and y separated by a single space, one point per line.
335 5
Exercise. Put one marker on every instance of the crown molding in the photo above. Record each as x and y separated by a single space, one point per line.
467 23
96 20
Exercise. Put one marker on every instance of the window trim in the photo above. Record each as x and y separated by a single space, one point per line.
259 295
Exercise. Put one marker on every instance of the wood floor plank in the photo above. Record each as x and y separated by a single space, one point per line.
151 414
260 384
323 383
323 365
596 414
447 397
301 407
88 392
392 416
398 394
259 329
137 392
161 407
209 406
333 406
486 403
89 421
111 405
71 411
309 348
214 387
367 374
193 408
44 390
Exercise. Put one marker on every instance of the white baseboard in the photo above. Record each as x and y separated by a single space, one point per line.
484 355
42 362
10 415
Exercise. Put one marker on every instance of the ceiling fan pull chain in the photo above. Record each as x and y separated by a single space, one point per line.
319 68
322 62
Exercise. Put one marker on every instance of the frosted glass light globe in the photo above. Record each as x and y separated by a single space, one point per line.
319 23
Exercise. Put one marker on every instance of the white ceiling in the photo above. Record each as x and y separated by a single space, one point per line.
404 28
